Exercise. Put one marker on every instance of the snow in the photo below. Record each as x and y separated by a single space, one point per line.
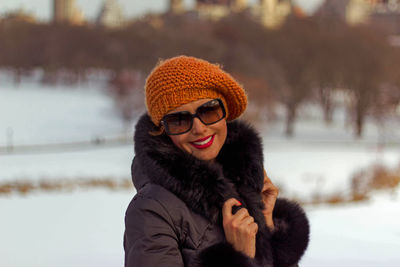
364 234
74 229
85 228
95 162
54 115
302 169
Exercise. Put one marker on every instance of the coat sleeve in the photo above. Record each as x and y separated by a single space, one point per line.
150 238
291 234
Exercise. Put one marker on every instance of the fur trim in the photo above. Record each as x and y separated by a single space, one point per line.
204 187
224 255
291 234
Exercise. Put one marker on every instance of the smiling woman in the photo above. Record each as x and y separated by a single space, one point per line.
203 197
203 137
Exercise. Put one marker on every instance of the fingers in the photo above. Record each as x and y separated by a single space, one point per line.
248 220
253 228
240 228
227 208
243 212
242 218
246 225
242 215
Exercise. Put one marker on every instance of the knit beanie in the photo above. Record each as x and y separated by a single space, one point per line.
181 80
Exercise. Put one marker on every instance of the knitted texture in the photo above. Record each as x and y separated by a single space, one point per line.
181 80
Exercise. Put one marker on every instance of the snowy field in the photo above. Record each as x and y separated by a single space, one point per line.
85 228
357 235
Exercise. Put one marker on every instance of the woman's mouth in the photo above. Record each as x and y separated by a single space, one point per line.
203 142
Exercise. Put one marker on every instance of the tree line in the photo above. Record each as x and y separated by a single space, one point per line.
307 59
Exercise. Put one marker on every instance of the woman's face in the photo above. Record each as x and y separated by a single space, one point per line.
202 141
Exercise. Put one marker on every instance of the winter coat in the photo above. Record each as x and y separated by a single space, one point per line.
175 218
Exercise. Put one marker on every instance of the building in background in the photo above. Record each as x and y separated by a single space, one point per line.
66 11
335 9
111 15
229 5
358 11
213 9
176 6
19 15
386 6
272 13
386 16
361 11
382 14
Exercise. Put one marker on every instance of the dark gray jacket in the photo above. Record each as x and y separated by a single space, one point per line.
175 217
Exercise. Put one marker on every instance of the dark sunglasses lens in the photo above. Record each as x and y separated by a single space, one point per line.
210 112
178 122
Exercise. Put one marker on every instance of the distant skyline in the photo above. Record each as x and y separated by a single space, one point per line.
42 9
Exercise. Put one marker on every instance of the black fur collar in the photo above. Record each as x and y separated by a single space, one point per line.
203 186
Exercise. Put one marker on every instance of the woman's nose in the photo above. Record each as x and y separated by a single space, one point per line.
198 126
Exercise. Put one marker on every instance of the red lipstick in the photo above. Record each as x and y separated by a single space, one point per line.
203 142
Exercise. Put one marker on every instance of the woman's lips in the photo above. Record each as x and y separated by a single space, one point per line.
203 142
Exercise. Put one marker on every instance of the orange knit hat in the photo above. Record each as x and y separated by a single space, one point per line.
180 80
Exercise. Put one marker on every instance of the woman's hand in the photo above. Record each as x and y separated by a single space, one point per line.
240 228
269 195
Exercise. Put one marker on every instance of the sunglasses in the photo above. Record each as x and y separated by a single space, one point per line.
182 122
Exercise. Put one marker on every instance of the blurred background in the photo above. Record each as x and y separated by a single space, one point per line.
323 79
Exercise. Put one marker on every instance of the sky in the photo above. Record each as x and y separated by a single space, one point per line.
42 9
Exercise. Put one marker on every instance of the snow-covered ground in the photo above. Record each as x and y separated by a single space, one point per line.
357 235
85 228
77 229
54 115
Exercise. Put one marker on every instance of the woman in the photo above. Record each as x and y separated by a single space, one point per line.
203 197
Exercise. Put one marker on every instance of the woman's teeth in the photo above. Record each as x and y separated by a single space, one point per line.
203 142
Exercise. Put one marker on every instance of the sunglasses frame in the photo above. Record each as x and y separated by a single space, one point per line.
195 115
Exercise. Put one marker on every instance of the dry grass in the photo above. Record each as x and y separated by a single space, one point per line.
375 178
363 184
64 185
385 179
336 199
359 197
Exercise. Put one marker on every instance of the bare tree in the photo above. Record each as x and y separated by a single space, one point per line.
364 58
126 87
289 74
